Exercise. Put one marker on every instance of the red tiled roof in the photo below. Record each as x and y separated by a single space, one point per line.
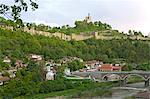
106 66
116 67
109 67
4 78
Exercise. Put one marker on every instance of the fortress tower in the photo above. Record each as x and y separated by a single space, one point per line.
88 18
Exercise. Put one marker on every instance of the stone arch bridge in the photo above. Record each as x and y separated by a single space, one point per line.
122 75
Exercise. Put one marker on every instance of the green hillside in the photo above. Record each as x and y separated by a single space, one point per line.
29 82
17 44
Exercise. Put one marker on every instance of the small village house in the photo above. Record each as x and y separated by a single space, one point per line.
50 75
7 60
12 73
67 72
19 64
35 57
70 59
3 80
109 67
92 64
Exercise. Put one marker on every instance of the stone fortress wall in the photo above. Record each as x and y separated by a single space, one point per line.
77 37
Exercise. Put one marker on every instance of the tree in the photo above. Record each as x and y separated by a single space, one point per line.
14 11
75 65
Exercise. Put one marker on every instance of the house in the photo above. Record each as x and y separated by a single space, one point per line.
50 66
67 72
12 73
50 71
19 64
109 67
57 64
7 60
35 57
92 64
70 59
79 59
64 60
3 79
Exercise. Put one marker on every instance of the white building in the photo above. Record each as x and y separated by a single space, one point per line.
35 57
6 60
50 75
67 72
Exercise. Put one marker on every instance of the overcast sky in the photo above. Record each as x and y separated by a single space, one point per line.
120 14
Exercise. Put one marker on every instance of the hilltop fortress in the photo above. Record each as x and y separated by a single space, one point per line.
107 34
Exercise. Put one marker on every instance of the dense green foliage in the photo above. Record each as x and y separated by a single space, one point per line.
81 27
75 65
17 44
145 66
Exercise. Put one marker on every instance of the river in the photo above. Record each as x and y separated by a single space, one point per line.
118 92
129 90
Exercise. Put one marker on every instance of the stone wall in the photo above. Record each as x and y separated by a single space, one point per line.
76 37
80 37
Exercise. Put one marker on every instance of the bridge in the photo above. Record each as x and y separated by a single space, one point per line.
123 75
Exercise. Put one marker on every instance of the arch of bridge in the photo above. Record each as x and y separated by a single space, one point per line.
105 75
123 76
139 75
146 76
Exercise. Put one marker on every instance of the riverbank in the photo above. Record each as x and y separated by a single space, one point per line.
85 90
